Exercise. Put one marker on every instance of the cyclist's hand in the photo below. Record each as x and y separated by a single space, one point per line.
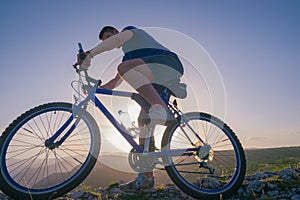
84 59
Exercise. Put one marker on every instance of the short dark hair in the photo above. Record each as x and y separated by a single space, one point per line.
106 29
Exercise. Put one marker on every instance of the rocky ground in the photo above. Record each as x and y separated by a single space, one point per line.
284 184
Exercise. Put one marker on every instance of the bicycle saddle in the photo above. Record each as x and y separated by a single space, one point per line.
174 87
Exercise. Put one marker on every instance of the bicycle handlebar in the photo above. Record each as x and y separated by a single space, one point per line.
88 79
81 56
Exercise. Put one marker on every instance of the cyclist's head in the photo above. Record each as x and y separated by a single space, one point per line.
107 31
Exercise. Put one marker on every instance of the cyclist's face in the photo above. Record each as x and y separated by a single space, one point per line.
108 34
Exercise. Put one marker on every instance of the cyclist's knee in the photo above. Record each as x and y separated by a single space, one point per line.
123 68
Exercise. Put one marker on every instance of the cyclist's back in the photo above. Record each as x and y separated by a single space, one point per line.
163 63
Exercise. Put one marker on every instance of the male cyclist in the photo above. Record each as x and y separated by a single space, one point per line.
146 63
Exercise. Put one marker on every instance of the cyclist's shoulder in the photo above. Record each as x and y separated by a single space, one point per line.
129 28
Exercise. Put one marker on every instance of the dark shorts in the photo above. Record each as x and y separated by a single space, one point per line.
164 67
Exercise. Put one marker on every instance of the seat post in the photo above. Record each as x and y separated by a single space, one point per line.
147 138
165 95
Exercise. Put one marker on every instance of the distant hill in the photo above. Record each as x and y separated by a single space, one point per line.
272 159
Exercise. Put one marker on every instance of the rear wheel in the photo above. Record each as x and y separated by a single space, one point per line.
31 169
216 168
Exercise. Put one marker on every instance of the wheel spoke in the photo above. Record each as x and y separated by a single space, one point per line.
28 166
211 168
22 151
32 165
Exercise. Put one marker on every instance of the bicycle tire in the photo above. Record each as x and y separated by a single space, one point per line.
56 175
226 155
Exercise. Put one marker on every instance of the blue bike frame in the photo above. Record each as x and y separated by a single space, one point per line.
91 96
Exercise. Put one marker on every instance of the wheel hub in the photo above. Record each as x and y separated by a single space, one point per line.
51 145
205 152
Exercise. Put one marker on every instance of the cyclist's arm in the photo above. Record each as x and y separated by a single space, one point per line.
115 41
110 43
113 83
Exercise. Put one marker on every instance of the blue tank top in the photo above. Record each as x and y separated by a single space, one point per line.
141 45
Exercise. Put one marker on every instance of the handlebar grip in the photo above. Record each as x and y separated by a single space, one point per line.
80 47
81 52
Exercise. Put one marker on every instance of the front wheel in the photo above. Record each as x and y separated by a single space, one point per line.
31 169
213 164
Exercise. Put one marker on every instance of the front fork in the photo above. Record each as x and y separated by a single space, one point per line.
50 142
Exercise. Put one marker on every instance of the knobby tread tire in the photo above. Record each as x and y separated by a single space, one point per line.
190 191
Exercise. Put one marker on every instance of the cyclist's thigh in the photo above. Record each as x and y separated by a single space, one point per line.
164 68
126 67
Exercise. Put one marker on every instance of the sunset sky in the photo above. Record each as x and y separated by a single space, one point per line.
254 44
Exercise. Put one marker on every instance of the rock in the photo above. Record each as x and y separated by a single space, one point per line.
260 176
264 197
116 191
256 186
288 174
3 196
272 186
295 197
153 190
76 195
273 194
240 191
208 183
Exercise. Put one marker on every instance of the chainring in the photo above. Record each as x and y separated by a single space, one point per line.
141 162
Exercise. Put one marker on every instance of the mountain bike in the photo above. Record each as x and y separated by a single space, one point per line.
50 149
